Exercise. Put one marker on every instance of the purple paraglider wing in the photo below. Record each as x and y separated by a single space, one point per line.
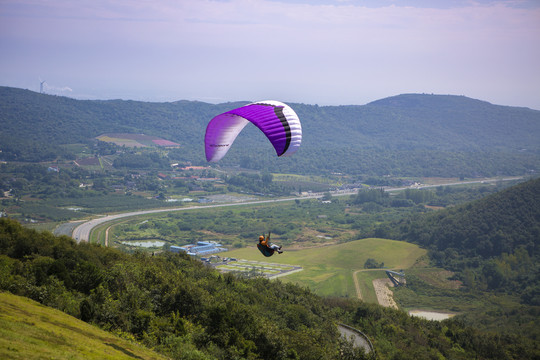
275 119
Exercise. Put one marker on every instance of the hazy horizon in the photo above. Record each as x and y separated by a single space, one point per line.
324 52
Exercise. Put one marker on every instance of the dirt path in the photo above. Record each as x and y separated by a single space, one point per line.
107 236
357 284
383 292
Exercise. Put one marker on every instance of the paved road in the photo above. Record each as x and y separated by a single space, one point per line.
66 228
358 338
82 232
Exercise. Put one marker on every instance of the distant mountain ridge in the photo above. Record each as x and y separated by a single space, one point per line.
400 134
480 123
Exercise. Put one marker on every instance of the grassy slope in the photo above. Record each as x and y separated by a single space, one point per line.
328 270
29 330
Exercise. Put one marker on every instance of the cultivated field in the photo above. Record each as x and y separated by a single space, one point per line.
136 140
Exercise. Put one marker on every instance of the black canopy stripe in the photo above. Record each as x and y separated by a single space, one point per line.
279 113
278 110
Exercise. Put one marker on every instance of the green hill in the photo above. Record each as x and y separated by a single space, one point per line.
406 135
492 243
29 330
500 223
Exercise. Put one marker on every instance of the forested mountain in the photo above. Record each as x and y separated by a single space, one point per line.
405 135
186 310
493 243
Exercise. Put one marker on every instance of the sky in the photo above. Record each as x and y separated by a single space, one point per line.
325 52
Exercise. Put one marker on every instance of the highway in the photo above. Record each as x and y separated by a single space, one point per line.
82 231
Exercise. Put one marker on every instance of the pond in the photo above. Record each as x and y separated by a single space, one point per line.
431 315
72 208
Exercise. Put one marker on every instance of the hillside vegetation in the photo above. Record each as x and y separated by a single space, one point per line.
492 246
406 135
185 310
493 242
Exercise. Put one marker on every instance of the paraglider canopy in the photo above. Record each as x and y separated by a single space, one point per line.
275 119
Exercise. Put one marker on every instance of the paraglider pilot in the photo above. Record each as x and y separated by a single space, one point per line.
267 248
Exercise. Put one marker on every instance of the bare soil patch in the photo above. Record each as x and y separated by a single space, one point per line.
383 292
434 207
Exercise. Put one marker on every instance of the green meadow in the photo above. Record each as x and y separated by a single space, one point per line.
29 330
328 270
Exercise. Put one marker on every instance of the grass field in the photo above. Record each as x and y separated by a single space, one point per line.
365 280
328 270
29 330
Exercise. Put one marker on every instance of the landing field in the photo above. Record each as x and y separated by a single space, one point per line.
270 270
328 270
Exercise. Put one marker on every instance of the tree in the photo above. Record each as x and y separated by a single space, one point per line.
327 196
267 178
373 264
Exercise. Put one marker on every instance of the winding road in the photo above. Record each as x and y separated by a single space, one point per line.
358 338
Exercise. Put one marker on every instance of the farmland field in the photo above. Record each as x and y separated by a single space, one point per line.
136 140
328 270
